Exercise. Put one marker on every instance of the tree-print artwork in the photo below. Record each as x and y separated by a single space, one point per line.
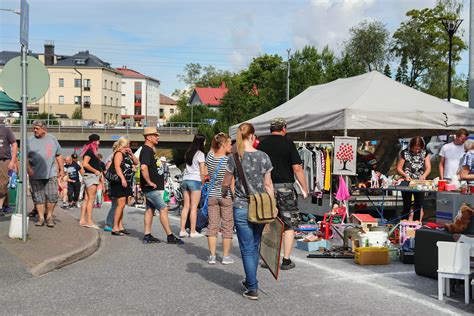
345 154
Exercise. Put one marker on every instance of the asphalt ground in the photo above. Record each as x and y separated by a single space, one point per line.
126 277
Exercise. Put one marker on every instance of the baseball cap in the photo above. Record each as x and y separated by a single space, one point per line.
74 156
278 123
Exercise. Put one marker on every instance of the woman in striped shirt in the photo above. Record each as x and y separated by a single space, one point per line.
219 208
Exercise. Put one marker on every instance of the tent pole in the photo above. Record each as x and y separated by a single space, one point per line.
346 178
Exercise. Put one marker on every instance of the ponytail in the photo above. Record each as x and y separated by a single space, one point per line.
243 133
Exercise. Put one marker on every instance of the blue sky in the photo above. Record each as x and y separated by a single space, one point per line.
159 37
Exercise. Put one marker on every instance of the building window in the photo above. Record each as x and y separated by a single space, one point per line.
116 101
171 111
61 82
87 84
111 101
162 113
87 98
105 84
117 86
105 100
111 85
61 99
77 83
138 111
77 100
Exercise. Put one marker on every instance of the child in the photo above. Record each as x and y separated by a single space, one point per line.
62 188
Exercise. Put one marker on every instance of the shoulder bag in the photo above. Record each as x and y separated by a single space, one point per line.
111 175
262 207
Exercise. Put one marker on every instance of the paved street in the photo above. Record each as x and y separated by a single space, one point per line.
126 277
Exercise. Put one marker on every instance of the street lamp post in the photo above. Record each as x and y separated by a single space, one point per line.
451 26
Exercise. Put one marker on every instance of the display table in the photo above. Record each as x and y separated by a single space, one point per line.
380 208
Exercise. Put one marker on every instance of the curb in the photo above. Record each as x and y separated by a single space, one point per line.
67 258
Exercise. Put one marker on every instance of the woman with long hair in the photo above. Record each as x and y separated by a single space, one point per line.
123 161
219 208
193 178
257 169
414 164
91 179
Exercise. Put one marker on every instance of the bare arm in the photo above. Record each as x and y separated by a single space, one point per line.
464 174
88 167
12 164
400 171
226 183
117 162
203 171
267 181
60 162
427 168
146 175
441 168
299 173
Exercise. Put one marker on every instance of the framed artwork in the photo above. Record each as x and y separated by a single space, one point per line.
345 156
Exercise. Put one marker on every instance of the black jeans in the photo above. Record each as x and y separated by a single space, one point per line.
73 190
418 198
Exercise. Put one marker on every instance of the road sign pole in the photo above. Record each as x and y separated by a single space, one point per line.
24 116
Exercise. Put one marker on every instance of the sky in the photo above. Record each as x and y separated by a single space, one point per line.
159 37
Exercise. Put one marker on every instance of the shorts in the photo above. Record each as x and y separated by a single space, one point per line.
287 204
43 190
4 178
90 179
191 185
154 200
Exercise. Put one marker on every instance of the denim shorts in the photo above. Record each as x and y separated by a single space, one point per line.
191 185
154 200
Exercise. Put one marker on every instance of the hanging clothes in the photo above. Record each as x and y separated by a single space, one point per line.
327 175
308 165
318 175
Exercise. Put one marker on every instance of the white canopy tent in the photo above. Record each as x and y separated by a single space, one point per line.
368 106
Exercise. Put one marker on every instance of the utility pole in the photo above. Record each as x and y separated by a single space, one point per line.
471 55
288 77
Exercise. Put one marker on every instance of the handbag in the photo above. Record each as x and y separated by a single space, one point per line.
111 175
203 214
262 207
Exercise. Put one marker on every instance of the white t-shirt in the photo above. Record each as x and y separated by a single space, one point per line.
193 172
452 154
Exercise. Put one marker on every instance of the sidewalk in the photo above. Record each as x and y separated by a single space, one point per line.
48 249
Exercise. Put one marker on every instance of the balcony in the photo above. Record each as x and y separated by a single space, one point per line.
87 105
87 88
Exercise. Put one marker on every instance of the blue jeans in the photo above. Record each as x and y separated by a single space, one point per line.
249 236
110 216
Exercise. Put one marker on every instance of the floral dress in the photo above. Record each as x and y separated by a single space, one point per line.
414 165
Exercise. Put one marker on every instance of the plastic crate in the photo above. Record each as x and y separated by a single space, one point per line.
372 256
313 245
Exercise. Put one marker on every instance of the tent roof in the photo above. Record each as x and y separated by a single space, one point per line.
367 106
7 104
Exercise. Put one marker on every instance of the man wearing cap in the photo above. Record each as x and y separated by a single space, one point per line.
8 159
286 166
45 164
152 182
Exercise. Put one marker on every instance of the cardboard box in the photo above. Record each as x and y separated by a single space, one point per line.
313 245
372 256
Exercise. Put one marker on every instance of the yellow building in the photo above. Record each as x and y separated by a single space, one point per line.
82 81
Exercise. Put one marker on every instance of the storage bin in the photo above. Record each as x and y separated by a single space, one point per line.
373 239
313 245
371 256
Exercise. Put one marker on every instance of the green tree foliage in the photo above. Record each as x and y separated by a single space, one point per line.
369 45
77 114
422 45
41 116
387 71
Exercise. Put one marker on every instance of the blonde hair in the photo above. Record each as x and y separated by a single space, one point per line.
219 140
244 131
468 145
120 143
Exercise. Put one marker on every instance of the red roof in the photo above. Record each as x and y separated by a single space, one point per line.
212 96
364 218
167 100
130 73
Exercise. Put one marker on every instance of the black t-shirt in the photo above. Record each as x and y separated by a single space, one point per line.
102 166
148 158
94 161
72 170
283 154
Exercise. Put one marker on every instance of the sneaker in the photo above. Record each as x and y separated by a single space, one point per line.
6 209
33 213
244 284
50 222
253 295
183 234
288 266
78 205
211 260
149 239
263 265
107 228
172 239
227 260
196 235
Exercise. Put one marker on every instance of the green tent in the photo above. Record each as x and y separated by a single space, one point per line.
7 104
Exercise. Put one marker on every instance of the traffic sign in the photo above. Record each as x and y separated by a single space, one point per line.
24 22
37 78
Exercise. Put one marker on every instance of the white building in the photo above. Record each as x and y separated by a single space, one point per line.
140 96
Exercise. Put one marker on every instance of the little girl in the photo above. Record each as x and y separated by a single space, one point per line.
62 188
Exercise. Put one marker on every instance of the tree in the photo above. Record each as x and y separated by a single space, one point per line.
77 114
387 71
368 44
422 43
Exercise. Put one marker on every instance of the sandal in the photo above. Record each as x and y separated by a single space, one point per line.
40 222
117 233
126 232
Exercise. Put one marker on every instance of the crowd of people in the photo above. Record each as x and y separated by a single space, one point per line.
270 166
